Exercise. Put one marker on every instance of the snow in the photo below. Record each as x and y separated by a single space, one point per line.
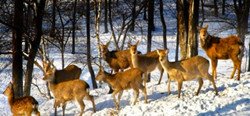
233 98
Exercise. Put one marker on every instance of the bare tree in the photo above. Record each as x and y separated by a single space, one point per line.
164 27
17 66
88 45
192 30
34 45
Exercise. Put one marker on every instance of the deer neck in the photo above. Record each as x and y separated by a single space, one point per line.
110 78
166 64
11 98
134 60
52 86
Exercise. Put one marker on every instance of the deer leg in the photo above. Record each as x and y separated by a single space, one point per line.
81 104
119 96
91 98
169 81
55 107
211 79
162 70
143 89
114 98
63 108
145 78
214 65
200 85
237 65
136 94
179 88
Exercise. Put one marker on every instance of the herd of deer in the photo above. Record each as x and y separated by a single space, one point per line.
66 84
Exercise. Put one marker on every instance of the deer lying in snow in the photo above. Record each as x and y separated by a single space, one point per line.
129 79
189 69
147 63
222 48
23 105
71 90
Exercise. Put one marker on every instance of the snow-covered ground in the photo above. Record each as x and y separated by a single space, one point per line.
233 98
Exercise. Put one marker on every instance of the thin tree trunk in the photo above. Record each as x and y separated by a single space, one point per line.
34 46
223 6
17 67
164 27
106 17
150 26
53 25
111 25
74 27
91 71
133 16
216 13
181 26
192 30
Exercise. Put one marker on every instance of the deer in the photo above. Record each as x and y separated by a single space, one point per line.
116 59
71 90
145 62
230 47
21 106
129 79
185 70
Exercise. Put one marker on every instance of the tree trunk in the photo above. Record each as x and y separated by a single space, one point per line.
150 26
17 68
216 13
88 45
164 27
111 25
34 47
53 25
181 26
133 16
192 30
223 7
106 17
74 27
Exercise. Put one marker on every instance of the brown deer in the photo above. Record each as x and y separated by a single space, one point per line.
23 105
71 72
189 69
116 59
71 90
147 62
222 48
129 79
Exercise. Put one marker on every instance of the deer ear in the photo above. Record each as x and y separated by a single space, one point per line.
198 28
166 51
107 44
158 51
206 26
137 42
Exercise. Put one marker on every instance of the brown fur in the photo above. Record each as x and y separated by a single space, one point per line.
189 69
147 63
23 105
73 90
222 48
71 72
116 59
129 79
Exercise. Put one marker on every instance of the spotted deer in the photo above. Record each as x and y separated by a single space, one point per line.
23 105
